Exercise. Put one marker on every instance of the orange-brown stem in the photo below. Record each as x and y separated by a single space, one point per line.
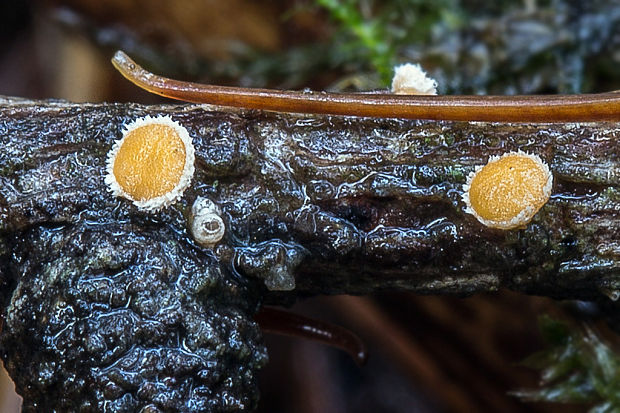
541 108
276 321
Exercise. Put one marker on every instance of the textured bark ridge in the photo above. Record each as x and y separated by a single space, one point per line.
108 308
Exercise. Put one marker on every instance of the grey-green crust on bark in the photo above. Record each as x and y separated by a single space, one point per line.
111 306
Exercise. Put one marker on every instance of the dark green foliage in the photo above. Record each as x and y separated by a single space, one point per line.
468 47
376 31
473 47
494 47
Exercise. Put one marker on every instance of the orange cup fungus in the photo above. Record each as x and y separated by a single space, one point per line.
507 192
152 164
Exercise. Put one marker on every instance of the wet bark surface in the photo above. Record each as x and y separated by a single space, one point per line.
105 306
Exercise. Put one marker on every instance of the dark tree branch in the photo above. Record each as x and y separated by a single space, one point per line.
325 204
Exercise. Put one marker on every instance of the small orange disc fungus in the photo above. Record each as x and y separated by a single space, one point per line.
152 164
507 192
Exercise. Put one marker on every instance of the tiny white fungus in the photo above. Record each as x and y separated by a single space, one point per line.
410 79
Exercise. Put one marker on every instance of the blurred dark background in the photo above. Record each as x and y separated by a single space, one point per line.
427 354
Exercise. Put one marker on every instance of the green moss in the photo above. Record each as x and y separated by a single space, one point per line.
577 366
369 34
612 194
